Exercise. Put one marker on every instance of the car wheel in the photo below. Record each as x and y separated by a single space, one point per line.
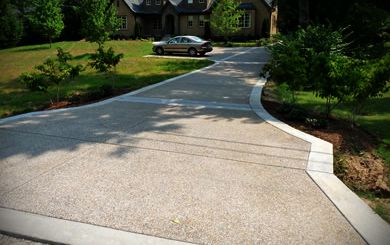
159 51
192 52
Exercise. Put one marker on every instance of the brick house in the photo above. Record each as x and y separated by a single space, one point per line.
157 18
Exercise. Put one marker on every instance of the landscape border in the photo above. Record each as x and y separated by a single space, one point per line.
372 228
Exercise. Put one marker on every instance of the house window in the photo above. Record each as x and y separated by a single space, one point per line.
158 2
190 1
245 21
201 1
157 24
148 2
190 21
201 20
117 3
122 22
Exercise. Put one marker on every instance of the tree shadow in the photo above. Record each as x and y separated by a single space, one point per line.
82 56
32 145
31 48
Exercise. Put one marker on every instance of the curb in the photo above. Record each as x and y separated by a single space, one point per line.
59 231
372 228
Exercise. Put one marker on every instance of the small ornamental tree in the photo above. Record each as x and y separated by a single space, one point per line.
225 18
46 18
99 20
51 72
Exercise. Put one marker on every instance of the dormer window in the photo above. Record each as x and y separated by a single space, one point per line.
158 2
201 1
148 2
190 1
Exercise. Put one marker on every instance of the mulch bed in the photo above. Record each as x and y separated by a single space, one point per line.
355 161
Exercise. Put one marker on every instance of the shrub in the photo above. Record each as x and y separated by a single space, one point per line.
52 71
104 61
34 81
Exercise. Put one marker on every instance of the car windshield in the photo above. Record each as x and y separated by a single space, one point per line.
197 39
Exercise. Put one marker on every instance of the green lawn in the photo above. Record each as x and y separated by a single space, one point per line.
375 118
133 72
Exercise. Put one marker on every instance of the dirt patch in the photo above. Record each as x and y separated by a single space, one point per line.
355 163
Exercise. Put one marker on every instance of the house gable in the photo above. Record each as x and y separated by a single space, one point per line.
257 11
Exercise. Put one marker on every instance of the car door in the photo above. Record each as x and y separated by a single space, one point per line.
185 44
172 44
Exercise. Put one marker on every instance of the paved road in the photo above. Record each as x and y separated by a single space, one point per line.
187 160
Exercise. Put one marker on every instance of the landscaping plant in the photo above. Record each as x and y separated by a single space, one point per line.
51 72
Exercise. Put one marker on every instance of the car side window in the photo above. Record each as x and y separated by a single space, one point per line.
174 40
185 40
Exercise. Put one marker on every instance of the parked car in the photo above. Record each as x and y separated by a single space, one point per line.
183 44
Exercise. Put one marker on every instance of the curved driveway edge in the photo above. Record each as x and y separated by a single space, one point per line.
320 168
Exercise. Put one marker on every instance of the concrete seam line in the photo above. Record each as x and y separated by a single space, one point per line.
107 101
62 231
369 225
190 103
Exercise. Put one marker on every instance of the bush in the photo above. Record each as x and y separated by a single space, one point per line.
52 71
104 61
311 58
34 81
285 94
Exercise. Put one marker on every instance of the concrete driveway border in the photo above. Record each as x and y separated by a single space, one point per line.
53 230
368 224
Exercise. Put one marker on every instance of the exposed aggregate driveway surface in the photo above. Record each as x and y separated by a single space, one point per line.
186 161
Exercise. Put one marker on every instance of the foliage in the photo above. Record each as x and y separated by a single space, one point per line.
225 18
287 64
312 58
34 81
47 18
104 61
370 28
367 79
52 71
285 94
11 25
99 20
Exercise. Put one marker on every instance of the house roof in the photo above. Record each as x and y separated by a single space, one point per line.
140 7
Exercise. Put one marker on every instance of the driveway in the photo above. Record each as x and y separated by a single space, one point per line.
187 160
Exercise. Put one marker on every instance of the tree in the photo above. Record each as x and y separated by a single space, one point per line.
99 20
47 18
51 72
225 18
11 25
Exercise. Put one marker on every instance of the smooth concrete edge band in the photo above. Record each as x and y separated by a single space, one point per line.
107 101
369 225
53 230
189 103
